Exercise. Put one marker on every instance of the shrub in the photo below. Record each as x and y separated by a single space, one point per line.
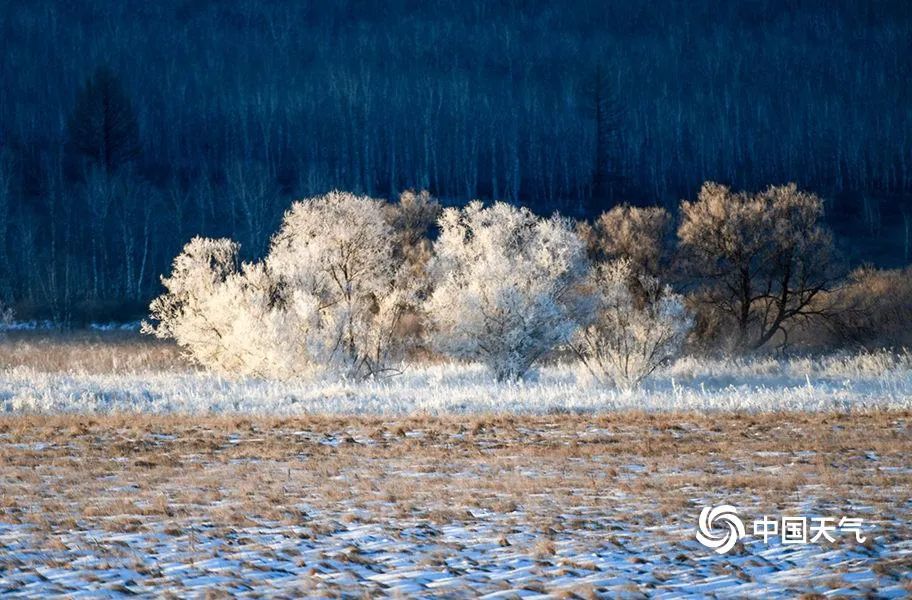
340 252
506 286
632 233
223 317
632 333
330 294
872 309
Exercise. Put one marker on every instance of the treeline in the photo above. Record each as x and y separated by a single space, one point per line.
358 287
128 127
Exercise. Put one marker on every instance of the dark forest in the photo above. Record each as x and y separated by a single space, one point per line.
128 127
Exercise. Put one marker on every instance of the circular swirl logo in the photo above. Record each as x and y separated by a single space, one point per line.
728 519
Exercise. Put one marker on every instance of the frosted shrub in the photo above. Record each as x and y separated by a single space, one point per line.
182 313
339 251
506 286
632 334
225 318
329 295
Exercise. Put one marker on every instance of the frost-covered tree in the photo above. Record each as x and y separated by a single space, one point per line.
339 250
507 285
329 295
190 311
764 257
633 333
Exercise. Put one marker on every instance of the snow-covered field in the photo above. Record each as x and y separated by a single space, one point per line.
563 506
125 471
842 383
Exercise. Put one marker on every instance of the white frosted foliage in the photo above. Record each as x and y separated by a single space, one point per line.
631 335
506 286
328 296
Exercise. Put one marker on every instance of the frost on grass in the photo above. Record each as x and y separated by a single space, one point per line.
843 383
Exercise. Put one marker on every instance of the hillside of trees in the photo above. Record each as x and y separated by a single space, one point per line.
127 128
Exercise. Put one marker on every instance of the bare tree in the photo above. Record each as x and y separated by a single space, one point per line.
254 192
764 258
103 125
6 202
606 112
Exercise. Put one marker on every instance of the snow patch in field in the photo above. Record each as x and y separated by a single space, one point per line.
415 558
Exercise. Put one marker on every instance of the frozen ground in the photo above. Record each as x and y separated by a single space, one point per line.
565 506
124 471
851 382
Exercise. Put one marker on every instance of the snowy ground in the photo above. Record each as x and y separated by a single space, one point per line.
123 470
850 382
569 506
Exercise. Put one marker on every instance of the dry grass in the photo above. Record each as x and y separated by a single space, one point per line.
87 351
561 490
57 469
